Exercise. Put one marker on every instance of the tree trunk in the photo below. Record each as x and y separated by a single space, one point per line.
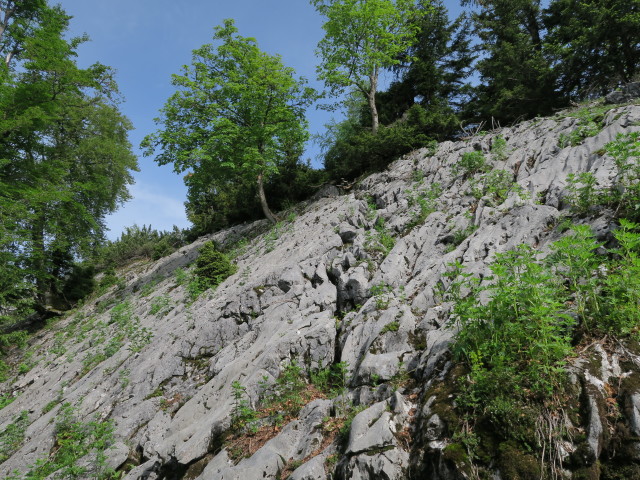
371 96
263 201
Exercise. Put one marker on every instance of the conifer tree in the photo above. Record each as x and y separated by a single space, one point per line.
516 76
595 44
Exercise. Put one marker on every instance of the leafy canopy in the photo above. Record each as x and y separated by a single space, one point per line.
361 38
238 114
65 159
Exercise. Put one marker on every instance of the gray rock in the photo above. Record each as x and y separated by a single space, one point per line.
172 398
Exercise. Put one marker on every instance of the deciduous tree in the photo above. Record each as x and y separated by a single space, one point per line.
363 37
237 113
65 159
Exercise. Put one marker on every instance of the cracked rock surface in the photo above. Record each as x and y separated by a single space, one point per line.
323 288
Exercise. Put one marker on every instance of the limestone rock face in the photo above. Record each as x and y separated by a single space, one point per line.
354 279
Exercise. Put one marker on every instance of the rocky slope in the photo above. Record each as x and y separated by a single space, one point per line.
354 280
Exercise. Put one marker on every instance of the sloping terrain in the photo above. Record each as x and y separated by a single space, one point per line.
353 281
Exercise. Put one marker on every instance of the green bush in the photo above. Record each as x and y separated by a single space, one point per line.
499 148
139 242
213 264
12 436
624 194
471 163
77 443
355 150
521 336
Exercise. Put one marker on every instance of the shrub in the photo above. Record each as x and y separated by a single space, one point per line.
354 150
625 195
521 336
139 242
213 266
499 148
471 163
81 450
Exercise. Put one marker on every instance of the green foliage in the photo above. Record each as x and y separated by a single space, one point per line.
379 239
383 294
499 148
621 290
496 185
242 415
351 150
17 338
426 201
75 441
576 263
332 380
390 327
126 326
361 38
139 243
584 40
517 78
65 160
583 192
471 163
237 116
624 193
6 399
432 73
590 123
160 306
285 395
13 435
213 266
516 342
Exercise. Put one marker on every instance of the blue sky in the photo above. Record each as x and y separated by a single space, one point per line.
148 40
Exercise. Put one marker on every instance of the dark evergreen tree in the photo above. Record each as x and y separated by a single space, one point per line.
516 76
595 44
434 73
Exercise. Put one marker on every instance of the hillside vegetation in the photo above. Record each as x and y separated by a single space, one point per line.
470 311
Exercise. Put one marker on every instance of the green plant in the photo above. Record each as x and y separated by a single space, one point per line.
12 436
149 287
332 380
471 163
625 194
426 201
621 289
575 262
379 240
181 276
390 327
590 122
160 306
383 294
272 236
75 440
460 235
242 415
213 266
6 399
499 148
517 341
583 192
